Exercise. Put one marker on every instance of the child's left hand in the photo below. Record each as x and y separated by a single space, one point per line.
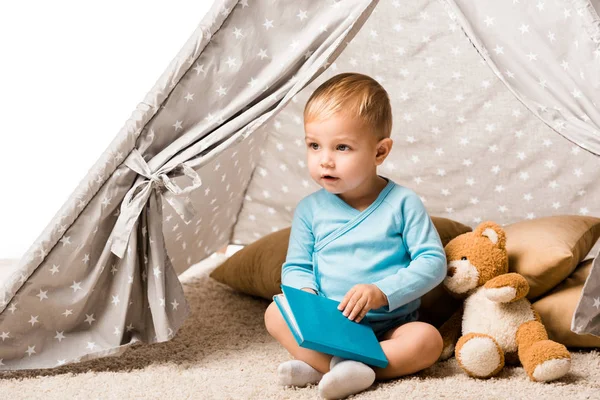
360 299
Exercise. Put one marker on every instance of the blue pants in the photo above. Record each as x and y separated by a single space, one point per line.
381 327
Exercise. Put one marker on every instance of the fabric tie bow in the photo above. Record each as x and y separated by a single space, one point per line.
134 201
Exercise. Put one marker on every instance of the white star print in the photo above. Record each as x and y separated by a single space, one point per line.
199 68
268 24
43 253
222 91
76 286
262 54
34 320
302 15
5 335
115 300
175 304
489 21
238 33
42 294
231 62
65 240
54 269
59 336
30 350
597 303
89 318
67 313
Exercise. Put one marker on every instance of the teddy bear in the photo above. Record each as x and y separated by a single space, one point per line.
496 321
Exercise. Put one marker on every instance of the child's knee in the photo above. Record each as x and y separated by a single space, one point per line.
434 343
273 319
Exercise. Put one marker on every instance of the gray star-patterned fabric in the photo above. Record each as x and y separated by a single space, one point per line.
547 53
463 141
586 318
214 154
166 193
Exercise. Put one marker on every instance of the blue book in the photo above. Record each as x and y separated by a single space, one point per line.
317 324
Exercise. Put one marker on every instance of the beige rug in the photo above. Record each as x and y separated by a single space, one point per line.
224 352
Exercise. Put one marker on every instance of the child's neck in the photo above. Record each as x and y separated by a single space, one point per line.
366 195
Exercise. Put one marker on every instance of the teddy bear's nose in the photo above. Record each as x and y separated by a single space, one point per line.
451 271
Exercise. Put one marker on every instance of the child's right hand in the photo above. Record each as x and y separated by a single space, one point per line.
309 290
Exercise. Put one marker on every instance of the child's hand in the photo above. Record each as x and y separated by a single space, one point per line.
360 299
309 290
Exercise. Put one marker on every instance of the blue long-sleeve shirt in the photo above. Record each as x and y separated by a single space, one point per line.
392 244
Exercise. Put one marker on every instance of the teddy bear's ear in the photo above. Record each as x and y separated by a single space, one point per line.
493 232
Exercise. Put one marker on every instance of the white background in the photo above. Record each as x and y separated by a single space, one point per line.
71 73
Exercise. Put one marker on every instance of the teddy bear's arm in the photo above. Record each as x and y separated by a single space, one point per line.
506 288
450 331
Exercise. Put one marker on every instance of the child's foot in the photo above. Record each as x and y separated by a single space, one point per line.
345 377
297 373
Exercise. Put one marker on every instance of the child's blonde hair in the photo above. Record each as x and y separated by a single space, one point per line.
355 95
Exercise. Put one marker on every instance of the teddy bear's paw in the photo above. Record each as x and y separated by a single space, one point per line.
501 294
545 360
552 369
479 355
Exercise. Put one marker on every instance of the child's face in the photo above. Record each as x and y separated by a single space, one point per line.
341 153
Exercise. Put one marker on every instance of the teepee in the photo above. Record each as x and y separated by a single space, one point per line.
496 116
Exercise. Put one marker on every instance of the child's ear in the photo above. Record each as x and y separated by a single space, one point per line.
384 146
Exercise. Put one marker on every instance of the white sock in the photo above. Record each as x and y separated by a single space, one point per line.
297 373
345 377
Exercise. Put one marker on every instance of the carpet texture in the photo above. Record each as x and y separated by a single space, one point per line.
223 351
